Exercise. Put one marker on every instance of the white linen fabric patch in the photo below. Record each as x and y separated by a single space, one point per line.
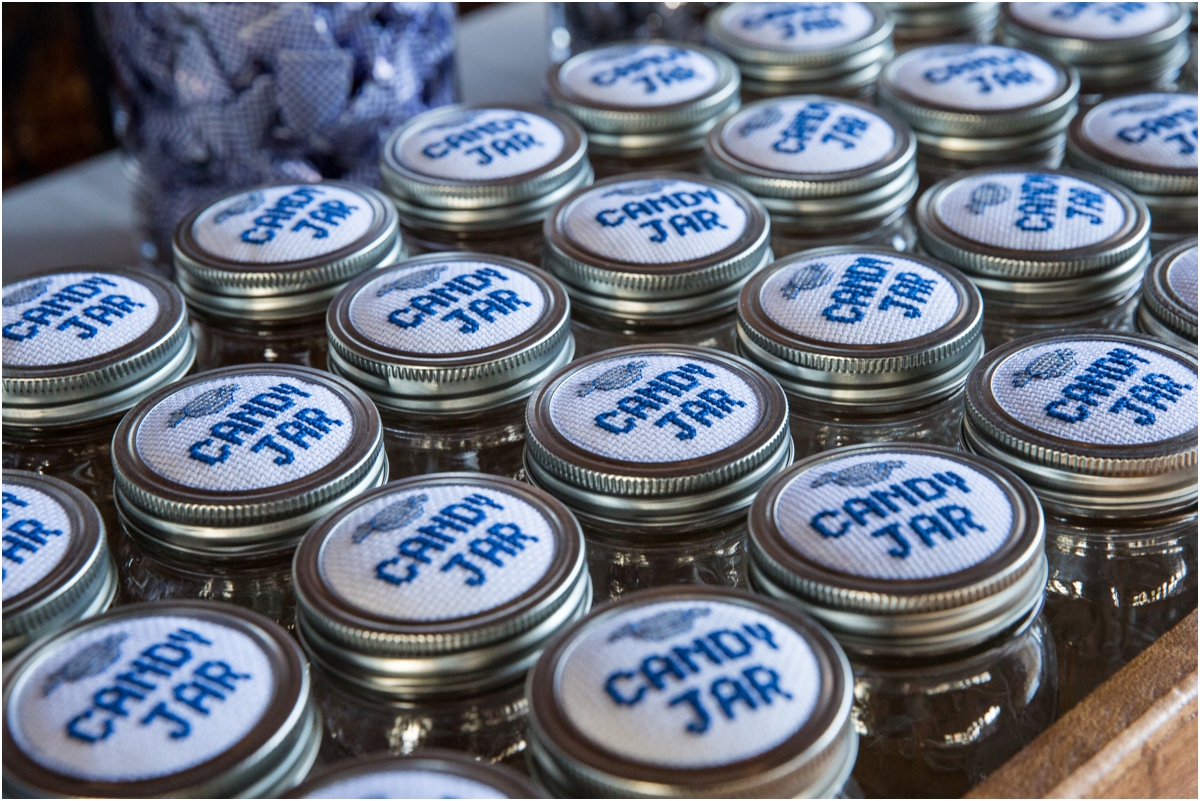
1093 20
1156 130
968 77
37 535
639 76
396 783
1181 276
798 26
481 145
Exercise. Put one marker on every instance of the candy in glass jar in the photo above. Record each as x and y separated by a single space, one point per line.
434 773
1167 308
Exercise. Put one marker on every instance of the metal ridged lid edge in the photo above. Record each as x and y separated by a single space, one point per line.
1139 180
1078 49
1157 300
715 35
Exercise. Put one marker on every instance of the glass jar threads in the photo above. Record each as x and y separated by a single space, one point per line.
926 23
175 699
425 602
449 346
259 267
656 257
927 565
218 477
692 692
434 773
869 346
645 105
1103 427
482 179
658 451
829 171
1049 251
1167 308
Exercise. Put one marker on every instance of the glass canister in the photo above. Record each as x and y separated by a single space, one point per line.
829 171
482 179
1049 251
868 346
688 692
658 451
926 23
656 257
434 773
1103 427
403 664
927 564
218 477
174 699
449 346
1167 308
645 105
259 267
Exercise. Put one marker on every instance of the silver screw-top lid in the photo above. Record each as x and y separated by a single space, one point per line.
1099 423
184 699
862 327
918 23
693 692
57 567
282 251
241 461
1168 305
665 435
468 168
901 549
433 773
85 344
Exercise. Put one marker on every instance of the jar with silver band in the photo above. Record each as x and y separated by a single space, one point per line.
829 171
403 664
1103 427
658 450
693 692
645 105
869 346
927 565
434 773
1167 308
1049 251
482 179
800 48
656 257
259 267
218 477
926 23
180 699
449 346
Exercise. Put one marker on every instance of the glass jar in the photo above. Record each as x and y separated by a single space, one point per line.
928 566
656 257
1167 308
218 477
925 23
868 346
645 106
1103 427
1049 251
405 665
180 699
449 346
684 692
824 168
259 267
482 179
658 451
434 773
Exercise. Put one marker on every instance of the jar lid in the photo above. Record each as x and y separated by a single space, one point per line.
663 434
1169 296
479 168
433 773
81 345
242 460
862 326
940 15
1094 32
450 332
1095 421
193 699
692 691
281 251
901 548
55 549
509 567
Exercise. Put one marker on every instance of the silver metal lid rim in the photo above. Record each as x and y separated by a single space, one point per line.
92 591
1159 300
848 209
858 69
1066 294
1148 323
646 145
1026 141
296 764
1072 49
745 55
1111 77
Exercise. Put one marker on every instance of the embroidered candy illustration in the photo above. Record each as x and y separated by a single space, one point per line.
204 404
23 293
989 194
661 626
764 118
90 661
613 378
810 276
641 188
413 280
392 517
247 204
860 475
1053 364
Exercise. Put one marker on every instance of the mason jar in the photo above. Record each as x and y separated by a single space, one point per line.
403 665
434 773
449 346
482 179
926 23
868 346
181 699
1049 251
927 564
218 477
658 451
685 692
645 105
829 171
258 268
656 258
1167 308
1103 427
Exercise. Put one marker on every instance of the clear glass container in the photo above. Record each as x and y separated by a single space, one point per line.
820 427
897 232
1003 323
1167 308
220 343
490 441
521 242
594 334
434 773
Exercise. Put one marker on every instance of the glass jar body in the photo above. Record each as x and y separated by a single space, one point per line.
1004 323
594 334
490 441
607 165
522 242
818 426
897 232
224 343
753 91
